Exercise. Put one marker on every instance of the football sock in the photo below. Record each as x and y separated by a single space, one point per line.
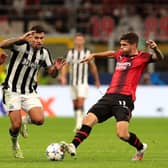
134 141
79 118
12 133
81 135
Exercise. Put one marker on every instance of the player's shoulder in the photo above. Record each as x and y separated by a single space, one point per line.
144 53
70 50
86 49
117 54
22 42
44 50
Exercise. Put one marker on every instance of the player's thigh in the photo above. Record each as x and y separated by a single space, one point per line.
102 109
31 103
15 118
37 115
79 91
11 101
82 91
123 107
121 113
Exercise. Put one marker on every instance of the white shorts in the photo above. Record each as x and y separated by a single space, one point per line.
16 101
79 91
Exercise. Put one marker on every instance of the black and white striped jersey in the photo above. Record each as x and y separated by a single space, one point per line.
78 71
23 67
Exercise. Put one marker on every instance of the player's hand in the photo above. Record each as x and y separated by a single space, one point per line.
151 44
27 35
3 57
59 63
87 58
97 83
62 80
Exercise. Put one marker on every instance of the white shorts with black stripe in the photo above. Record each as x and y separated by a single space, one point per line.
79 91
16 101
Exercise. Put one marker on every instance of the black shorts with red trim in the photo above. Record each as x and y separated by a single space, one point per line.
118 105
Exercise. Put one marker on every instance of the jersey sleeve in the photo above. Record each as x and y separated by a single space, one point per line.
68 56
147 57
47 62
117 54
16 46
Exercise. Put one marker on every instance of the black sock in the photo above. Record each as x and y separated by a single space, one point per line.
134 141
81 135
12 133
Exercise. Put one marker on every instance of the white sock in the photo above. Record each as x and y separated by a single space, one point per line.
79 118
26 119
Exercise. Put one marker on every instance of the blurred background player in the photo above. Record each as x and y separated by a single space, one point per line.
120 96
78 76
19 88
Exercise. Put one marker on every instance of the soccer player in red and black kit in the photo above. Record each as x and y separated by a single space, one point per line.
120 96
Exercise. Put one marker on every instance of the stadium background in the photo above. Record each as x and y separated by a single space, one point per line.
102 22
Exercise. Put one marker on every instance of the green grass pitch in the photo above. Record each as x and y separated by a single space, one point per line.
102 149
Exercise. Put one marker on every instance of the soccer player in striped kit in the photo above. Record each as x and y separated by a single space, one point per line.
19 88
78 76
119 98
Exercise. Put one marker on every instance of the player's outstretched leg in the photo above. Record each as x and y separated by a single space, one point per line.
139 154
80 136
131 138
141 147
17 152
88 122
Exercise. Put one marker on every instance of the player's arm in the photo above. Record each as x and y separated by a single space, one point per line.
5 44
54 69
94 72
100 54
63 74
157 54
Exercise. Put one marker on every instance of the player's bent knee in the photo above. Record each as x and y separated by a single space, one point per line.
90 119
38 121
16 125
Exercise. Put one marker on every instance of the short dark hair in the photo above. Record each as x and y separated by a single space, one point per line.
130 38
38 29
79 34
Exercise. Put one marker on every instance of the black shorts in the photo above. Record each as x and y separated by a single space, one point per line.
117 105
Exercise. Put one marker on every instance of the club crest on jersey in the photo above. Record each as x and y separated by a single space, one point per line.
120 58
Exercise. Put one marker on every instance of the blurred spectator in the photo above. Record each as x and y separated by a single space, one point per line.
5 2
130 21
72 4
52 2
33 2
19 6
5 27
60 26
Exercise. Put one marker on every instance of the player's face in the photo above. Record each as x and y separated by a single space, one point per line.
126 47
79 41
37 40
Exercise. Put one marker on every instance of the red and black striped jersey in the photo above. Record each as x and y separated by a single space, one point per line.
128 72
